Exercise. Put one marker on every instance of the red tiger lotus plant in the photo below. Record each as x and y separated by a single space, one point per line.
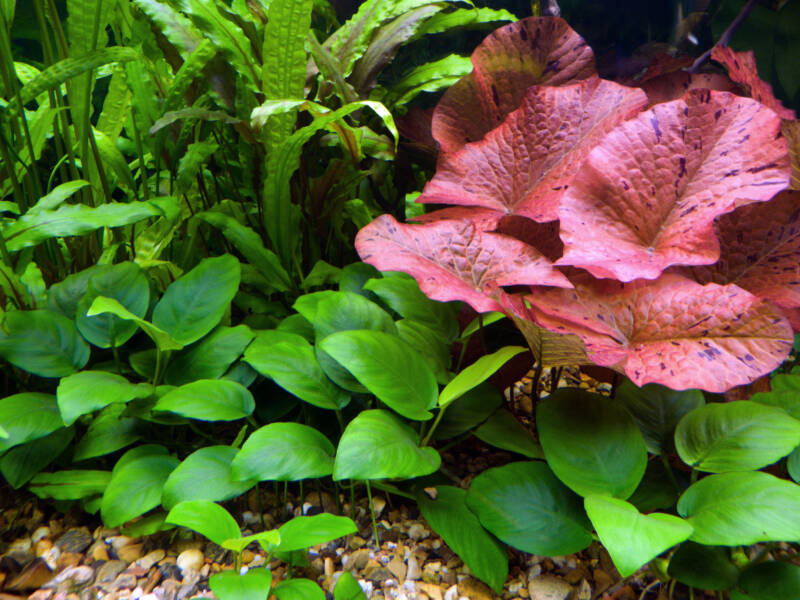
651 227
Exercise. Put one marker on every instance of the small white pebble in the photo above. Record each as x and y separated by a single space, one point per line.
244 570
257 561
366 587
451 593
137 593
40 533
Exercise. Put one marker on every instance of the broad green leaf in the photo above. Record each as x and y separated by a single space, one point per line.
210 357
303 532
28 416
22 462
475 407
268 539
3 433
297 323
735 436
135 488
391 445
63 297
298 589
107 433
657 410
503 430
769 581
88 391
347 588
786 398
322 273
382 363
655 490
284 452
631 538
139 452
430 77
206 518
70 485
591 442
211 466
429 344
42 342
229 585
290 361
703 567
482 320
162 339
355 275
525 506
742 508
793 464
152 523
194 304
450 517
208 400
477 373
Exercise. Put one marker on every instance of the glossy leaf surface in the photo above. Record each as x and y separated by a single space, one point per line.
208 400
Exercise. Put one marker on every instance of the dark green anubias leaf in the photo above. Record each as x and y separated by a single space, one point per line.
655 490
69 485
87 391
472 409
148 525
206 518
786 398
347 588
451 518
162 339
284 452
502 430
382 363
703 567
322 273
298 324
631 538
229 585
355 275
298 589
125 283
135 488
204 475
303 532
391 446
194 304
107 433
735 436
742 508
477 373
210 357
525 506
769 581
429 344
139 452
208 400
591 443
42 342
793 464
63 297
657 410
28 416
290 361
22 462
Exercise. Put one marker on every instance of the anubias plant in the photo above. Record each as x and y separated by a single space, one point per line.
654 229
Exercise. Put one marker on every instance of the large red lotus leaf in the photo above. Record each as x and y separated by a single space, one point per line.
454 260
485 219
742 69
542 236
524 166
760 250
671 331
647 195
672 86
537 50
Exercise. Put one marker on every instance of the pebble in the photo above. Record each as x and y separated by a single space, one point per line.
75 540
191 559
108 571
546 587
130 552
40 533
147 561
79 576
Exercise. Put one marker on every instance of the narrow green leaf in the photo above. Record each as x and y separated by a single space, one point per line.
477 373
70 485
176 28
88 391
57 196
206 518
208 400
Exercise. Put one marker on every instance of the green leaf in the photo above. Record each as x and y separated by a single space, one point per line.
391 445
591 443
229 585
135 488
298 589
472 409
22 462
743 508
347 588
173 25
70 485
793 464
192 163
63 297
303 532
268 539
450 517
139 452
152 523
704 567
502 430
382 363
88 391
211 466
429 344
525 506
194 304
769 581
735 436
210 357
162 339
28 416
657 410
656 490
206 518
786 398
208 400
284 452
482 320
42 342
57 196
430 77
107 433
631 538
477 373
290 361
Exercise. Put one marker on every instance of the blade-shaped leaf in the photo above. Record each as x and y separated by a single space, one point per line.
87 391
70 485
210 357
472 409
163 340
477 373
22 462
304 532
208 400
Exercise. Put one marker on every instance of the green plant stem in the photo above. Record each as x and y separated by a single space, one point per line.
434 425
372 516
340 419
159 368
142 170
670 474
390 489
693 476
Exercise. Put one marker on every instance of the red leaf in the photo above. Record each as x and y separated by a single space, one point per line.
742 69
647 195
672 86
484 219
671 331
791 131
524 166
454 260
537 50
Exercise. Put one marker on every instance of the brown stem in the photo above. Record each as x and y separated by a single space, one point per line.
725 39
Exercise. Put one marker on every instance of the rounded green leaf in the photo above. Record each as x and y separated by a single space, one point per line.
477 373
63 297
450 517
742 508
591 443
769 581
204 475
28 416
383 363
303 532
284 452
22 462
206 518
703 567
230 585
298 589
472 409
210 357
135 488
793 464
347 588
502 430
107 433
162 339
631 538
787 399
42 342
527 507
194 304
735 436
208 400
377 445
88 391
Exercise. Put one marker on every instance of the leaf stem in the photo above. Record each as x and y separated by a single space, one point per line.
372 516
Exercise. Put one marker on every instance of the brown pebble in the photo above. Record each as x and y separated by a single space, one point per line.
75 540
124 581
32 577
68 559
108 571
42 546
99 552
474 589
130 552
602 581
152 580
432 591
43 594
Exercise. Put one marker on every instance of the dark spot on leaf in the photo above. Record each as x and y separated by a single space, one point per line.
656 129
495 95
761 168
